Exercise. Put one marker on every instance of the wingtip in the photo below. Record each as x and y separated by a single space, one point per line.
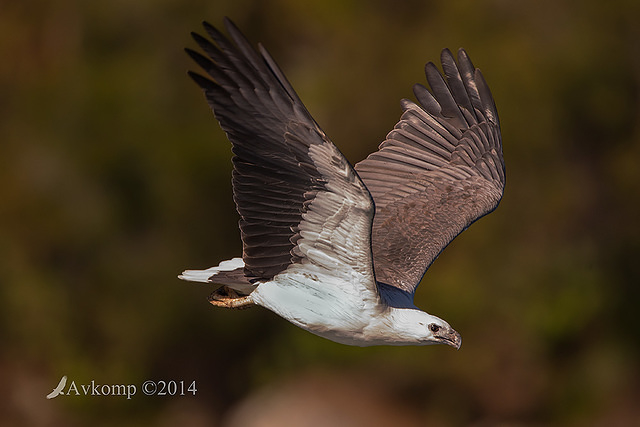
210 29
233 30
204 83
429 67
463 57
229 24
206 25
446 52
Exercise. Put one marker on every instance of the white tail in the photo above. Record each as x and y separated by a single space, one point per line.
229 273
206 276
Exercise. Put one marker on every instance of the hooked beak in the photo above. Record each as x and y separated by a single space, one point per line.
452 338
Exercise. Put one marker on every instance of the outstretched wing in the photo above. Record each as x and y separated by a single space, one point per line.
439 170
299 199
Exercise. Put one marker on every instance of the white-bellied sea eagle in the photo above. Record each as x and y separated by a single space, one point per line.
334 249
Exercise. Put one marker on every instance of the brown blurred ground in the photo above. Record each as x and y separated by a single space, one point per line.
114 177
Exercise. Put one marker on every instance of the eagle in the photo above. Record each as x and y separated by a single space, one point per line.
336 249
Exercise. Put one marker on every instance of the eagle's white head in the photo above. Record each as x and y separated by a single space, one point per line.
411 326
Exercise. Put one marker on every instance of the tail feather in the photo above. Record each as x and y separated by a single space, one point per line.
230 273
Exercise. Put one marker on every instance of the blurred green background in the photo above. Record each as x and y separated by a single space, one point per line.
114 177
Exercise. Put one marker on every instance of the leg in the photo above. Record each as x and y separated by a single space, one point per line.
228 298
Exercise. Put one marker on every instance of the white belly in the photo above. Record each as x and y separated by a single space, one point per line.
324 305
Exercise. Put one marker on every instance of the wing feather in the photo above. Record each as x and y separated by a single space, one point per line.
440 169
299 200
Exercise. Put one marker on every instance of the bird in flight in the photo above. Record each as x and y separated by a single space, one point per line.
335 249
58 390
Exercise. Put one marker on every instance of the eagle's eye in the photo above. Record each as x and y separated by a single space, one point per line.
434 328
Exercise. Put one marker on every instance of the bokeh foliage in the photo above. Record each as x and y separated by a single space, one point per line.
114 177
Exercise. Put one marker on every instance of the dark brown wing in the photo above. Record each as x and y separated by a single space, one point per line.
439 170
296 194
